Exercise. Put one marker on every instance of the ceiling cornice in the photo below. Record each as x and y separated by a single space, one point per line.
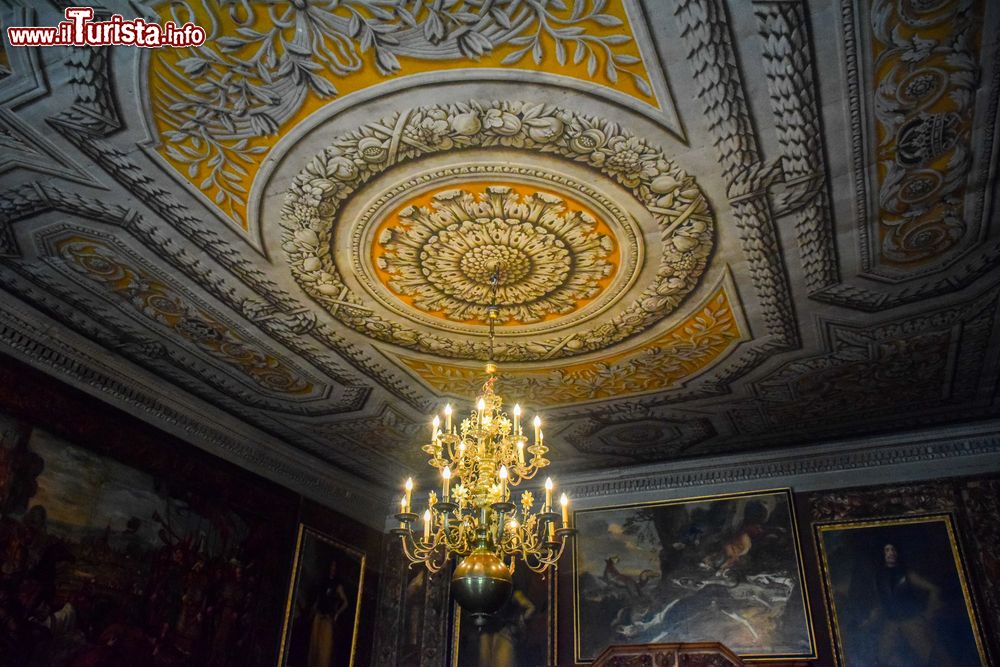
967 449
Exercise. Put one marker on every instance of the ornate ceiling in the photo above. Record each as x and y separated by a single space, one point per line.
723 225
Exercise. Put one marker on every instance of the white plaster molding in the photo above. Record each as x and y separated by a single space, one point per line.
903 457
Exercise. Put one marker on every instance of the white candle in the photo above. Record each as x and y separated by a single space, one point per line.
481 407
435 425
402 510
520 451
517 420
427 525
538 428
409 490
447 418
564 501
446 473
503 483
548 494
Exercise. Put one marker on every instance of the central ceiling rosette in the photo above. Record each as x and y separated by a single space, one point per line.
395 229
553 254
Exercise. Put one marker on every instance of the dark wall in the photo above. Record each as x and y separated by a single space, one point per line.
972 502
122 545
415 621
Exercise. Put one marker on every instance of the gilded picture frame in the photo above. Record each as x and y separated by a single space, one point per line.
724 567
323 608
522 633
895 589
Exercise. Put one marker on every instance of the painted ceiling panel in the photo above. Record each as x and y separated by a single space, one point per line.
722 226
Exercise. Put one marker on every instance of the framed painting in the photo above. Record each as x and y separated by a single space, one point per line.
171 559
324 603
521 634
896 593
723 568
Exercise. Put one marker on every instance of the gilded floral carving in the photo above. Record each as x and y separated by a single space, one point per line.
444 256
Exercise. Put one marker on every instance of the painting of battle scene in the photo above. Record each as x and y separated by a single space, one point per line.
725 568
897 593
102 564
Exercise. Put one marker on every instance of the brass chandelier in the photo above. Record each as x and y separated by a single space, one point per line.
476 519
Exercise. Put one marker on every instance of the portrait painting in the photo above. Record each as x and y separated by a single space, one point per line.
521 634
722 568
102 563
324 603
897 594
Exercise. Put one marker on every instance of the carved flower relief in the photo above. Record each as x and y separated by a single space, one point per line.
430 129
630 160
159 303
444 257
502 122
926 234
924 105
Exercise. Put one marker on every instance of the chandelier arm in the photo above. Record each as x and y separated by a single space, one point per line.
409 548
453 536
535 564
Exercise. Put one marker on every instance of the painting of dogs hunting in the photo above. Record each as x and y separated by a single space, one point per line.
722 568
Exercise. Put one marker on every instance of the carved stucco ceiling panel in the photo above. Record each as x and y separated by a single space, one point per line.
217 111
553 262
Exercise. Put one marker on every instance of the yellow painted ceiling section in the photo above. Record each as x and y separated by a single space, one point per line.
160 303
926 129
663 363
219 109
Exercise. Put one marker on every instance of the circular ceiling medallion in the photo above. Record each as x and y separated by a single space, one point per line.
426 251
438 252
396 234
